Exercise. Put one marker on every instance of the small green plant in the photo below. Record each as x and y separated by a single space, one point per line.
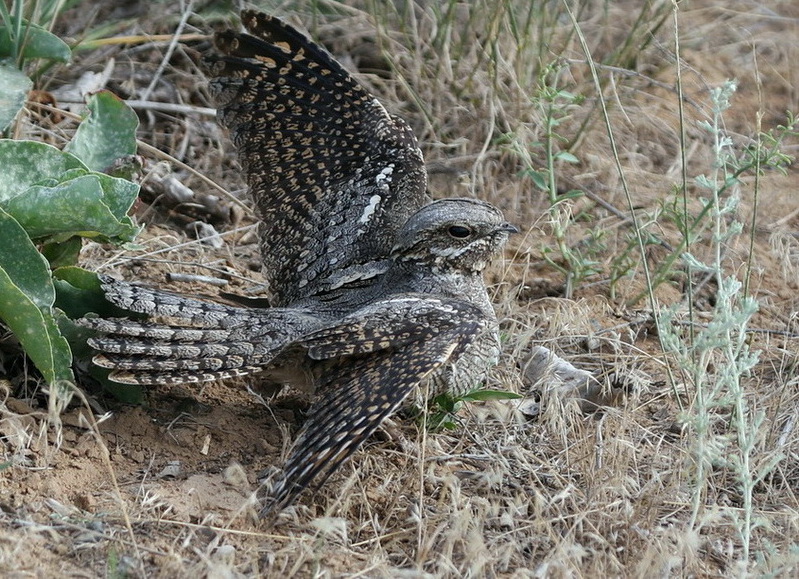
575 262
51 199
444 407
715 358
765 154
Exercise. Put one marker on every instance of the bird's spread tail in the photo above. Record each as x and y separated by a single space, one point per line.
202 341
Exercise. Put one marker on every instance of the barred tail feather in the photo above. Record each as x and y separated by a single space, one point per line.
153 331
156 377
124 362
144 300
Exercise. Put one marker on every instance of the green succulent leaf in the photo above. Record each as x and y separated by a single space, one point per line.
78 293
14 87
91 206
27 296
106 134
488 394
35 42
24 164
52 193
62 252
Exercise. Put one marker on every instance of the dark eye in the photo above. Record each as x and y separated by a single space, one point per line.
459 231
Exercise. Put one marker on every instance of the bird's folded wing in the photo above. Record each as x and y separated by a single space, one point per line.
370 380
332 174
392 323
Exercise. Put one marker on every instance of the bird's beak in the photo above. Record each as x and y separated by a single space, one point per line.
508 228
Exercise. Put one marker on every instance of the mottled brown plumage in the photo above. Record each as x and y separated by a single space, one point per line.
379 290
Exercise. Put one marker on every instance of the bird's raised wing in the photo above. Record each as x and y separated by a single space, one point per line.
332 174
374 363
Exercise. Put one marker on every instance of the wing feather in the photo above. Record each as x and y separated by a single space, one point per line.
330 171
359 389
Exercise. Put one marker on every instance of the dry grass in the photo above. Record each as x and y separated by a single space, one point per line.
659 484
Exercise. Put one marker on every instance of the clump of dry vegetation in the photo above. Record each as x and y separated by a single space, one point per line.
656 199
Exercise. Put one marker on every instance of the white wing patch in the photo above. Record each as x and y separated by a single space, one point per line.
384 177
370 209
382 180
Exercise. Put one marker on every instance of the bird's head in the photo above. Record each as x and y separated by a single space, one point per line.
453 234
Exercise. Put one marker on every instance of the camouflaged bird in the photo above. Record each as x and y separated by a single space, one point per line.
375 289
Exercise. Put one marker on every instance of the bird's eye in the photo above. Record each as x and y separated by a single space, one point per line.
459 231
